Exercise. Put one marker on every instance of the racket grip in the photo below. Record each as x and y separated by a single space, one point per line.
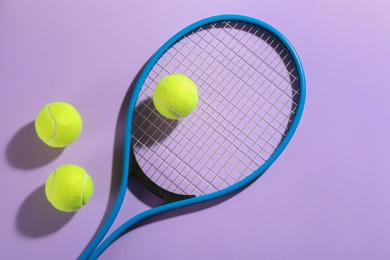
167 196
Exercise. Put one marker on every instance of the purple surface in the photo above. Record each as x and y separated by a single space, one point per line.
326 197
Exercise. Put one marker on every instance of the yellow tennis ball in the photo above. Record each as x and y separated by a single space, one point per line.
69 188
58 124
175 96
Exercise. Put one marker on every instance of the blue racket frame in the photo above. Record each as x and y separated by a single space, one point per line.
89 253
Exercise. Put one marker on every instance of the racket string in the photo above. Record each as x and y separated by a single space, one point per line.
215 150
249 98
137 142
246 96
183 55
245 72
170 169
237 58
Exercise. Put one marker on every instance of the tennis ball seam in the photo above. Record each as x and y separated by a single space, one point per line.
54 124
187 85
168 107
82 189
58 124
52 185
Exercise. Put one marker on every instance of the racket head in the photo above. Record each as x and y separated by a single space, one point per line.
299 85
240 23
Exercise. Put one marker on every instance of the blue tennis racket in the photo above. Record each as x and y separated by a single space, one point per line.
251 97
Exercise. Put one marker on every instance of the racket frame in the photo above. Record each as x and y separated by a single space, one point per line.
128 134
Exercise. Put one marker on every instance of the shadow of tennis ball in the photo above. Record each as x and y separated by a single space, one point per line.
26 151
37 217
149 127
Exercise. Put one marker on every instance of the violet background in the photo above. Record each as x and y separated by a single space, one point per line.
326 197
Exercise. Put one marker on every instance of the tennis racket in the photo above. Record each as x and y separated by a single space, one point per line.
251 96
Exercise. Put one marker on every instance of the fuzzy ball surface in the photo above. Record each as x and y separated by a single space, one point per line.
69 188
175 96
58 124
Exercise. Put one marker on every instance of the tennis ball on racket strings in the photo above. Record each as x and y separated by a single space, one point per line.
175 96
69 188
58 124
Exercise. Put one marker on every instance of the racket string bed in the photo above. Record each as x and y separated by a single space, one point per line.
235 60
169 168
214 108
236 65
157 168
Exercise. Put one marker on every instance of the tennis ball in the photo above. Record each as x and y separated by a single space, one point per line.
175 96
69 188
58 124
